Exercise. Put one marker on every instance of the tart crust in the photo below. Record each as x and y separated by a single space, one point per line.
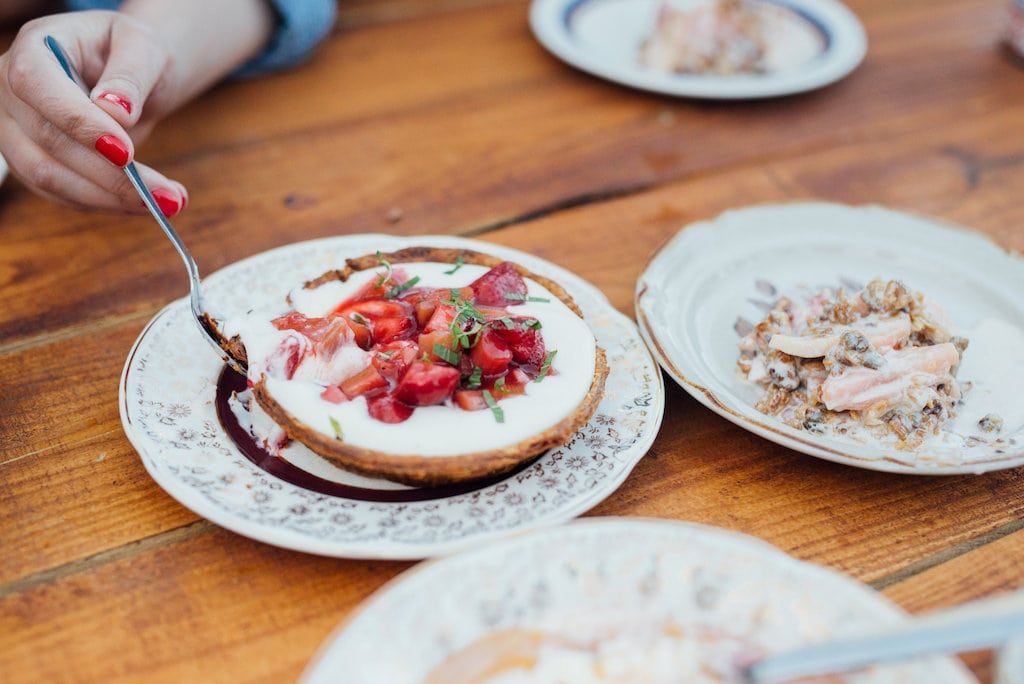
414 469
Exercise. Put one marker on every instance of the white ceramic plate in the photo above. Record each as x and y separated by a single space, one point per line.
1010 666
169 412
607 570
695 287
602 37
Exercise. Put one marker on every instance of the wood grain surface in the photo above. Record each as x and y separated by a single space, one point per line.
444 116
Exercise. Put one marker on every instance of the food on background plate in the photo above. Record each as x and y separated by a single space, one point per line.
664 652
423 366
728 37
879 363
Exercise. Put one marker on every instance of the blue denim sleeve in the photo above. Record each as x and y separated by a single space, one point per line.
301 26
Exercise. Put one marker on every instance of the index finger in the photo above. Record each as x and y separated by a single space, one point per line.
36 78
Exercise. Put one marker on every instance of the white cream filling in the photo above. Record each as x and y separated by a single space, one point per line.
434 430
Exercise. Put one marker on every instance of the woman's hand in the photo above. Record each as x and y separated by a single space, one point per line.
70 146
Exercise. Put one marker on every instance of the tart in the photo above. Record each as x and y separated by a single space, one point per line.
425 366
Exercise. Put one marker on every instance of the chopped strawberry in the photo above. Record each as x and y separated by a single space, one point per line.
514 382
391 360
470 400
427 342
387 409
526 342
426 301
387 330
491 354
427 384
517 376
494 287
378 308
441 319
366 381
333 394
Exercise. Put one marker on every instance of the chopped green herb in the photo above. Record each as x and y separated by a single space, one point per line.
516 297
425 358
459 261
383 278
386 355
531 324
360 319
500 386
445 354
338 434
507 322
499 415
546 367
473 381
399 289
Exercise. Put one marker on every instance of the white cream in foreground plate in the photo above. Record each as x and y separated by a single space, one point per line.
168 411
602 37
695 287
629 573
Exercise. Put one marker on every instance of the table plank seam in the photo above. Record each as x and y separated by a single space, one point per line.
200 527
76 330
948 554
62 445
107 556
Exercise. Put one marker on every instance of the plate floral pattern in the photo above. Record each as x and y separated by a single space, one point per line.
168 412
619 571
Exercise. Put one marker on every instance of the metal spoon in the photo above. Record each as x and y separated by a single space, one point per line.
199 313
980 624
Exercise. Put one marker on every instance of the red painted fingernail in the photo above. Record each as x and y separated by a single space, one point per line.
168 201
121 101
113 149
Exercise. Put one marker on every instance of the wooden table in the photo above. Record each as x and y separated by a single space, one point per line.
445 116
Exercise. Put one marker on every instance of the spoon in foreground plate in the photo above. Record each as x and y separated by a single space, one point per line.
199 313
977 625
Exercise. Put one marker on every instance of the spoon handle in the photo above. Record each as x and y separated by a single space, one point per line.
981 624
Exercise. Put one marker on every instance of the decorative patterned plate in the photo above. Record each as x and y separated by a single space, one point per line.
169 409
602 37
712 273
608 571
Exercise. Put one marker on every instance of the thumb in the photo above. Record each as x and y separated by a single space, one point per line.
135 63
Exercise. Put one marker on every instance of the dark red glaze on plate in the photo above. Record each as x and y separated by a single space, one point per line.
230 382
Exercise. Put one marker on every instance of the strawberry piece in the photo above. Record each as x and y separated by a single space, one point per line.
367 381
426 301
378 308
428 340
387 409
427 384
327 333
333 394
441 319
491 354
387 330
526 343
470 400
391 360
492 288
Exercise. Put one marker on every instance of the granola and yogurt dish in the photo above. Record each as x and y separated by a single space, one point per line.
728 37
876 363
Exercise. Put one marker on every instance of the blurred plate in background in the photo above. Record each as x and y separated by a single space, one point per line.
603 38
